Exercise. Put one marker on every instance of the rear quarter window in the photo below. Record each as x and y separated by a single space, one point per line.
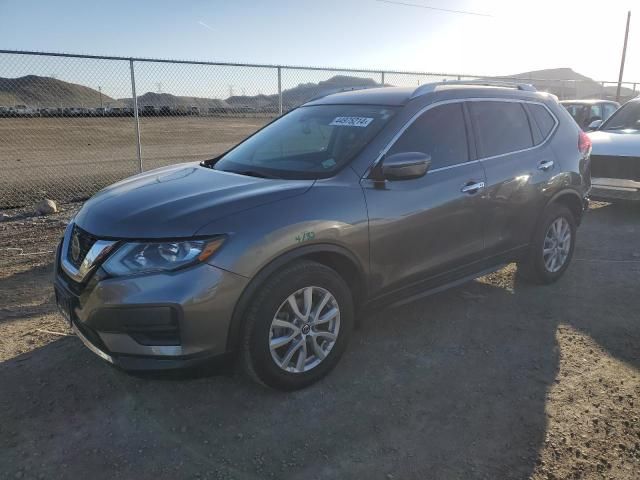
544 120
502 127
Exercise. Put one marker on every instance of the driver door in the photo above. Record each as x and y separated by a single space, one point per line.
433 225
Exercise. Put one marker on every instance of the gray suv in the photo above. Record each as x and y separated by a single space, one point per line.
352 201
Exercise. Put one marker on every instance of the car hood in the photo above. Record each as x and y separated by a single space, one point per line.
176 201
616 142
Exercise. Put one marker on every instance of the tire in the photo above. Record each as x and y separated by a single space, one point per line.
534 267
260 360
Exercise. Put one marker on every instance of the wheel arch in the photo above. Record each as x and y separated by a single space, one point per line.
570 199
336 257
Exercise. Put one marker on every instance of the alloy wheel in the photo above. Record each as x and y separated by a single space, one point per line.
304 329
557 244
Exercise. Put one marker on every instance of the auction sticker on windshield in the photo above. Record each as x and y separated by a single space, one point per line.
351 121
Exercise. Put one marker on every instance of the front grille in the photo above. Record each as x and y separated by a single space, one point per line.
611 166
79 245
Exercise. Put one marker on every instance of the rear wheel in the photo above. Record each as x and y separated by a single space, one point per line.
297 327
551 248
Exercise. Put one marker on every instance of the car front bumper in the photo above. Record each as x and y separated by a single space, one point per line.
157 321
614 189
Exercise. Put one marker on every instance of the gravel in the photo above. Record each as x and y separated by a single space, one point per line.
493 379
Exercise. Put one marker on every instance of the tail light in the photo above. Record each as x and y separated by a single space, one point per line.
584 143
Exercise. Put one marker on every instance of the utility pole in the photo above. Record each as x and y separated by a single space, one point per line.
624 54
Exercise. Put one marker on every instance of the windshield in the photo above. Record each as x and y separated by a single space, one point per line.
307 143
626 118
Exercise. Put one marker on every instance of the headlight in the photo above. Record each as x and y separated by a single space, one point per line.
145 257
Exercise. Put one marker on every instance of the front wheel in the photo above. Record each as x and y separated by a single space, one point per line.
297 327
551 248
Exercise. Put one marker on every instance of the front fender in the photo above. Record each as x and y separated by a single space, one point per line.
328 214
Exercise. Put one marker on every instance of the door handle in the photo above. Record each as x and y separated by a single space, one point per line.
472 187
545 165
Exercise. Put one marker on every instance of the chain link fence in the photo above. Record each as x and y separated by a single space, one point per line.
73 124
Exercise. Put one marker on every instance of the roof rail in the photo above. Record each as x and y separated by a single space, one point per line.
431 87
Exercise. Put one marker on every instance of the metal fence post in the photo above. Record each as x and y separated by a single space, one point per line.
135 114
280 90
382 79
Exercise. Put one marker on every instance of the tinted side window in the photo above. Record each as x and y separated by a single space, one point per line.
608 110
543 119
439 132
502 127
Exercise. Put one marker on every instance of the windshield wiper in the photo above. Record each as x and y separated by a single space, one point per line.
252 173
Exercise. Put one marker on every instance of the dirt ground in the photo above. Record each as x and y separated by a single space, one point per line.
490 380
72 158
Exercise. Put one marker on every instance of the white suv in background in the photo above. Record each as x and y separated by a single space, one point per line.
615 158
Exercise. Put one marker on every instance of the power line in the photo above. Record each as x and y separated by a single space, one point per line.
417 5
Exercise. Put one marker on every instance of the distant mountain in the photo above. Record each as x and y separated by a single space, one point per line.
552 74
166 99
302 93
564 82
290 97
35 91
307 91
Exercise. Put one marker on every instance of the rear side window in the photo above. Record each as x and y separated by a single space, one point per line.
543 119
502 127
439 132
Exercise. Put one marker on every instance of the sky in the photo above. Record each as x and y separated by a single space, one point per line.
497 38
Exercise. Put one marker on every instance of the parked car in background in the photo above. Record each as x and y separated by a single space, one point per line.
4 111
615 161
22 111
51 112
589 114
181 110
352 201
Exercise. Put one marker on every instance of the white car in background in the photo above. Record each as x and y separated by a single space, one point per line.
615 155
589 114
21 111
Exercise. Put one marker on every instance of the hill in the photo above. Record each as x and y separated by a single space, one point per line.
290 97
564 82
36 91
166 99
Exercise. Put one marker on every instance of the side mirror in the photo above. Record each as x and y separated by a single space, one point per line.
594 125
405 166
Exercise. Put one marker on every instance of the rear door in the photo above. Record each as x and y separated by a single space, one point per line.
512 142
423 227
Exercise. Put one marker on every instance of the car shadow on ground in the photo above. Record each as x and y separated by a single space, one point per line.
451 386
